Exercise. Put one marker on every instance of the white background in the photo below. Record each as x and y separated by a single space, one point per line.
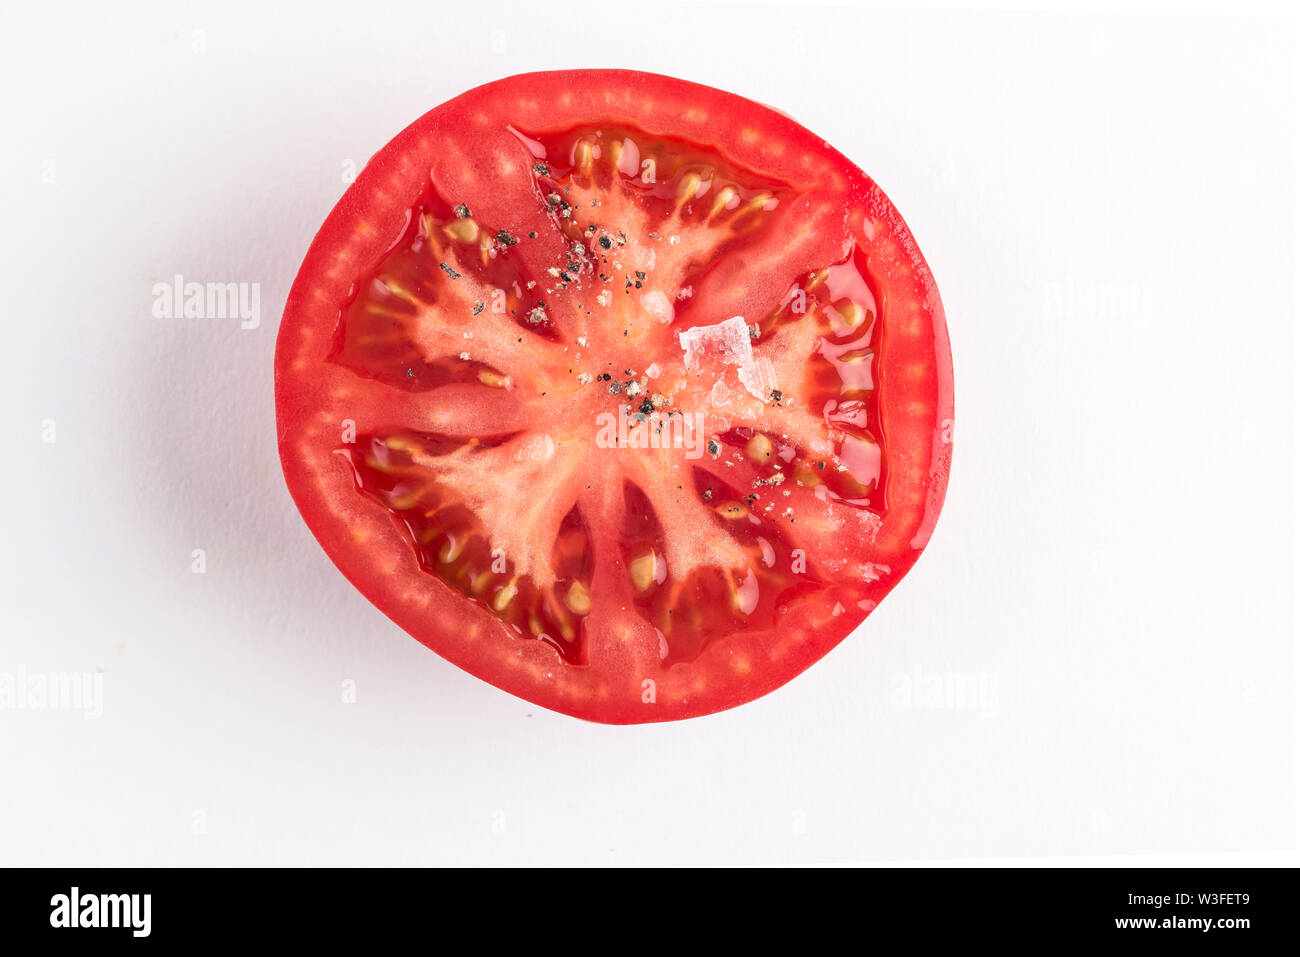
1109 205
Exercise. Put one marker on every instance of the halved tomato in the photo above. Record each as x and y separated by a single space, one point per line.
625 394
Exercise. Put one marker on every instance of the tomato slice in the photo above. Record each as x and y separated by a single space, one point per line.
627 395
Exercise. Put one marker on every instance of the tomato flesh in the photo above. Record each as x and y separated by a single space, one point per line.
632 421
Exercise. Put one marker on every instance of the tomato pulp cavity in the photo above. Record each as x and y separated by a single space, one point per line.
625 394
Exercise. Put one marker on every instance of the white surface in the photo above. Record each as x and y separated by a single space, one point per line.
1109 205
